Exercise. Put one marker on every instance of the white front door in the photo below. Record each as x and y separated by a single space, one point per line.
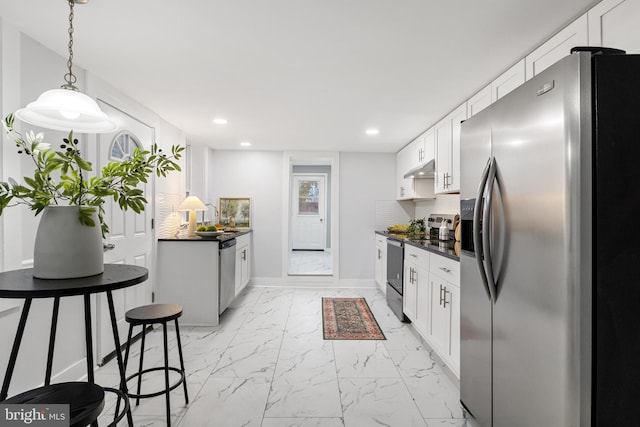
308 222
129 233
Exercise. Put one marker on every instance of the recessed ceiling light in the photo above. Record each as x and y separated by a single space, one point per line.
245 143
220 121
372 131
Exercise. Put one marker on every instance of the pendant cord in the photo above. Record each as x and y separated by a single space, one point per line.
70 78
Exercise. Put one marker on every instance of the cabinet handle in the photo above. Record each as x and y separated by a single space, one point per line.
244 254
444 298
413 255
446 270
411 275
401 191
441 292
378 253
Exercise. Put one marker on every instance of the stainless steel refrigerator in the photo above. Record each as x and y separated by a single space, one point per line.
550 260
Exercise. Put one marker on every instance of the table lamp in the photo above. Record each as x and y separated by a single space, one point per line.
192 204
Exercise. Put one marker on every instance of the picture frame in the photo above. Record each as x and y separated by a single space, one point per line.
234 212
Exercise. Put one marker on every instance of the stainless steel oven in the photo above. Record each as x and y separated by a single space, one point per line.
395 267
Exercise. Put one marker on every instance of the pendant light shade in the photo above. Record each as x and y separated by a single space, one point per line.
65 110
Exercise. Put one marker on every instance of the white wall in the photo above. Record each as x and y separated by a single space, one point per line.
364 179
258 175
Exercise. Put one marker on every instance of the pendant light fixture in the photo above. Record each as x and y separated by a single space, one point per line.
67 108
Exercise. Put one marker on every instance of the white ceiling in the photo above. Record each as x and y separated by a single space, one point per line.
297 74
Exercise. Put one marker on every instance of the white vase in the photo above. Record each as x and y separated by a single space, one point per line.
64 248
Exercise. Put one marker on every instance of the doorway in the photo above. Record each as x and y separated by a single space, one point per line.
311 219
130 234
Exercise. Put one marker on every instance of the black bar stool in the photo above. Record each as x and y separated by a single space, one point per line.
85 400
149 315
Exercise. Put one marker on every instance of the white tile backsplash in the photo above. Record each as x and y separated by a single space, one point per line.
443 204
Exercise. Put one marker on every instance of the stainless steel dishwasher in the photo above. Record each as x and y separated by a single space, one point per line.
226 274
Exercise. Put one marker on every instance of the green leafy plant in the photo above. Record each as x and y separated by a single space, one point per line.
417 227
60 177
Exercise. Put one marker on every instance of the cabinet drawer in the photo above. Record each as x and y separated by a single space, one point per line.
446 268
417 256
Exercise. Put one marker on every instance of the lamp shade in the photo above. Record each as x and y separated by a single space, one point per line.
65 110
192 203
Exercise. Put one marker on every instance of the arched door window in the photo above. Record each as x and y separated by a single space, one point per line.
123 146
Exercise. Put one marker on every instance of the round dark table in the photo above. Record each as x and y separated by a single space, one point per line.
22 284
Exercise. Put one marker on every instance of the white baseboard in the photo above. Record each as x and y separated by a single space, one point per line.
74 372
312 282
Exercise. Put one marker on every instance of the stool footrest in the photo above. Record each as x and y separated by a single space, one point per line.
125 409
158 393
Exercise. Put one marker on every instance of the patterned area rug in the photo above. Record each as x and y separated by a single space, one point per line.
349 319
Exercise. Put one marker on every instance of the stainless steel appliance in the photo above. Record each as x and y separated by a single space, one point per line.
549 262
434 221
395 269
226 273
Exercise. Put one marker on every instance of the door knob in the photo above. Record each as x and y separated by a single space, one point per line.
108 247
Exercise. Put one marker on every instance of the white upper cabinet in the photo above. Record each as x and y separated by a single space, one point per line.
479 101
417 152
508 81
447 134
420 151
558 46
404 186
614 23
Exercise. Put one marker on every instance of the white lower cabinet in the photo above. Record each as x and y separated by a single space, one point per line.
416 278
431 301
444 330
243 262
381 262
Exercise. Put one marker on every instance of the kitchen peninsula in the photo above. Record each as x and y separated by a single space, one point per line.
189 273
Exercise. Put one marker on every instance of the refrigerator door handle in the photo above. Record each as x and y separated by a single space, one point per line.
476 228
486 225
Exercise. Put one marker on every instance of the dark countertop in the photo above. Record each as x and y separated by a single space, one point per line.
220 238
446 249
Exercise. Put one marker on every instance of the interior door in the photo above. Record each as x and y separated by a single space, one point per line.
129 233
309 228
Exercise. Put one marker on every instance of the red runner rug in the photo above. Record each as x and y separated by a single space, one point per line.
349 319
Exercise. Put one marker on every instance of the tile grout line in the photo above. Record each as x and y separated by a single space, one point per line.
275 368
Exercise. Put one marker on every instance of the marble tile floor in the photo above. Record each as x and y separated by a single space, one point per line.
267 365
310 262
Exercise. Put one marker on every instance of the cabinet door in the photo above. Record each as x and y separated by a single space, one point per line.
614 23
456 117
443 154
422 300
508 81
417 152
448 151
479 101
429 152
454 342
238 284
438 325
404 185
559 46
245 259
409 292
378 265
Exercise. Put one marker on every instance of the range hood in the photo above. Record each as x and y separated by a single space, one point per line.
425 170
